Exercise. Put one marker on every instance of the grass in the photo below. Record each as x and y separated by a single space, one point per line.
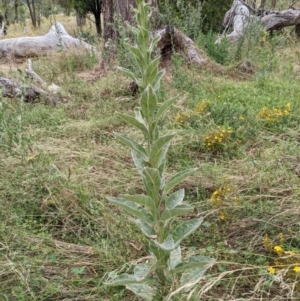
58 234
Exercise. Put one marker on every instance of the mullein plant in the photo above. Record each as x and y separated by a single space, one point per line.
157 212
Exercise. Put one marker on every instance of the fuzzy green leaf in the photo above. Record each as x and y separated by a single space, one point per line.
177 178
133 121
154 42
122 279
139 117
134 30
152 181
191 277
152 70
159 149
132 208
178 210
134 50
188 280
164 107
175 199
130 75
141 271
143 290
159 76
141 199
194 262
185 229
148 103
145 228
133 145
138 55
175 258
138 161
167 244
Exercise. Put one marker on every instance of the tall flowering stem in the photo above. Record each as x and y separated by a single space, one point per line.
160 205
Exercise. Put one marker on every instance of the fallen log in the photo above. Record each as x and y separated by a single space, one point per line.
30 92
280 19
238 17
57 38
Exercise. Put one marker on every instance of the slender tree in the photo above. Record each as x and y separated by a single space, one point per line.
123 9
32 11
83 7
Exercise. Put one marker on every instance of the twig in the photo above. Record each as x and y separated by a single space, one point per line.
249 6
293 3
36 77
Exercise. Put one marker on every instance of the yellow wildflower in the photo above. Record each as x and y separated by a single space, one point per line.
279 250
201 107
296 269
271 270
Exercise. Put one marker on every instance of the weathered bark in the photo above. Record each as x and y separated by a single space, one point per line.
280 19
262 4
16 6
174 40
11 88
123 9
238 17
273 4
56 38
31 7
108 19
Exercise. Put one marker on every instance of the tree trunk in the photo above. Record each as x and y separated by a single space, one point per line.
16 6
123 9
108 18
31 7
262 4
97 10
80 19
273 4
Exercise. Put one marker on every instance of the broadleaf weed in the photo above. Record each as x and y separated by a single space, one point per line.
166 274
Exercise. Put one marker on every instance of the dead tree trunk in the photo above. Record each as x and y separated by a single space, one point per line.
56 38
238 18
32 11
31 92
171 39
108 18
123 9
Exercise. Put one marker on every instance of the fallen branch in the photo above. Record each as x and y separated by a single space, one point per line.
12 89
57 38
280 19
32 74
31 93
